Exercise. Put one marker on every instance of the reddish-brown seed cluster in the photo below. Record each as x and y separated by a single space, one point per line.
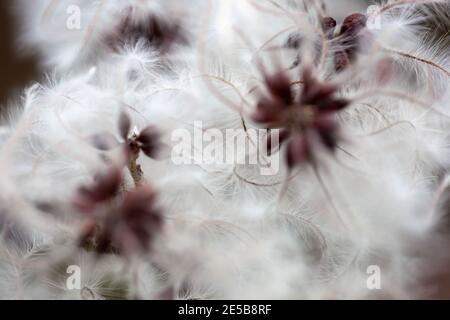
148 140
125 223
105 187
349 40
300 119
153 30
328 25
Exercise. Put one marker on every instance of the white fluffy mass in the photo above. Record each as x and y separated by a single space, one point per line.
312 231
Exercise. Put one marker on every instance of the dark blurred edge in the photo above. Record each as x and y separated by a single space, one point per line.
16 68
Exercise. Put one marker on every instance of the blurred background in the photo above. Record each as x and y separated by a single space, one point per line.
19 68
16 68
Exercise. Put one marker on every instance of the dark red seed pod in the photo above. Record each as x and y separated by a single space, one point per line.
148 135
105 242
325 121
318 94
309 87
106 186
353 24
352 38
164 34
267 111
279 86
328 139
272 146
328 25
326 127
136 203
149 140
151 150
332 104
298 150
140 219
311 114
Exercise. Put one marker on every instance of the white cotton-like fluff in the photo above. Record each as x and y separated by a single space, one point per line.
230 232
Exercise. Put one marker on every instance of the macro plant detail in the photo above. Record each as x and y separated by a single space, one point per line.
117 225
312 113
359 116
147 141
352 35
154 30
